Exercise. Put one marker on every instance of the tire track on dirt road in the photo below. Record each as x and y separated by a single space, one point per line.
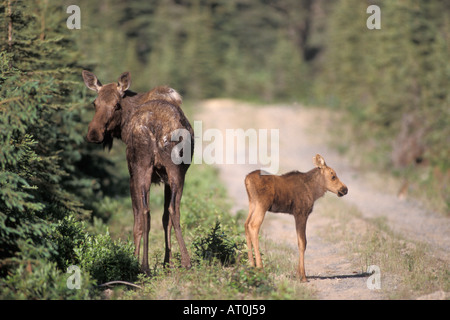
328 270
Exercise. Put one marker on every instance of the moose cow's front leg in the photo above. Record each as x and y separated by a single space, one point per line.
140 180
137 228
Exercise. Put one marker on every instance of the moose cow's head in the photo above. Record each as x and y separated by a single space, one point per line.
106 105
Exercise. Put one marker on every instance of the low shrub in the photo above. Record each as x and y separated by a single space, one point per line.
250 279
67 235
107 260
40 279
216 245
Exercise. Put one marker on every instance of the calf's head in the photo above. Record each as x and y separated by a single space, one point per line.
106 104
329 178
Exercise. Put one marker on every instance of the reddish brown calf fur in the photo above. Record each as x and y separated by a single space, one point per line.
293 193
145 122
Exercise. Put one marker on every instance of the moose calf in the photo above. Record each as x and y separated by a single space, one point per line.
293 193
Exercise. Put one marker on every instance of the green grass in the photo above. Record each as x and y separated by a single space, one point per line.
216 243
204 206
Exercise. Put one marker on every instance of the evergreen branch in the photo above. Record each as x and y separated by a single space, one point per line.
9 100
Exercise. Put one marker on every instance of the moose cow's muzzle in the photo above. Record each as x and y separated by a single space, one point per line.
95 135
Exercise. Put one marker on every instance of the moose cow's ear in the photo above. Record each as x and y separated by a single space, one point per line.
91 81
319 162
124 82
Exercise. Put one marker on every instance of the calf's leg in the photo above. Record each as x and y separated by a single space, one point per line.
300 224
254 225
251 209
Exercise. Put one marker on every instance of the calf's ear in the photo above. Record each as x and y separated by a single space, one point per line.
91 81
319 161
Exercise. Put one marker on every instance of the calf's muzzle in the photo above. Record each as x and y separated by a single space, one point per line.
342 191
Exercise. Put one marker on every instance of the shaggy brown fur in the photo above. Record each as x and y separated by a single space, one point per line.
145 122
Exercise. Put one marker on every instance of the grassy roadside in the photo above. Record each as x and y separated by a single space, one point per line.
408 269
216 243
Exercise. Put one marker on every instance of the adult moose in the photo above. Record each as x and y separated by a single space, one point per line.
294 193
146 123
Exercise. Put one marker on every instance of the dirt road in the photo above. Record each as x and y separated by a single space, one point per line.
300 138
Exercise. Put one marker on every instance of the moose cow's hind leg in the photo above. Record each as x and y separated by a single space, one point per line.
167 226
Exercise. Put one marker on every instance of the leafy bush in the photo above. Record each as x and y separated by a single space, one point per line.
40 273
248 279
216 245
41 280
107 260
67 235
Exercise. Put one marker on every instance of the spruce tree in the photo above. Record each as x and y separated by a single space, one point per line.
42 144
